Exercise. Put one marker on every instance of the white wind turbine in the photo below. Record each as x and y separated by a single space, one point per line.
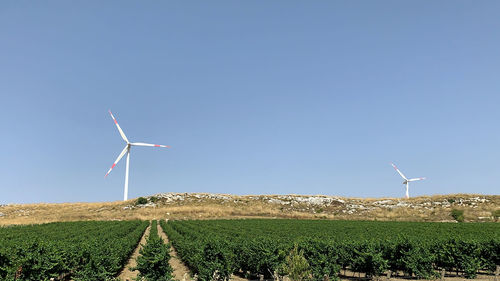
127 150
406 181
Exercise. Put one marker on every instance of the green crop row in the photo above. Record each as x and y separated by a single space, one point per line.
94 250
267 247
152 262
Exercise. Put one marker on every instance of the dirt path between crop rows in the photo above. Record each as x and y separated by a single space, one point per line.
126 273
181 271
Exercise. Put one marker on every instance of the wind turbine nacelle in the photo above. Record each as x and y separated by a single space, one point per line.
405 182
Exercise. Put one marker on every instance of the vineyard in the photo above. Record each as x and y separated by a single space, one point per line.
313 249
80 250
251 248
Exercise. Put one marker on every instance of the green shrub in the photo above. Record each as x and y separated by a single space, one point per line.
470 258
412 257
369 259
141 201
296 266
461 255
261 256
322 256
496 214
217 259
458 215
490 254
4 266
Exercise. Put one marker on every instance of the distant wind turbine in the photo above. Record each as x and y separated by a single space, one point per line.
406 181
127 150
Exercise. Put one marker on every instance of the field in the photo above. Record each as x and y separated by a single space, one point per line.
277 247
250 248
82 250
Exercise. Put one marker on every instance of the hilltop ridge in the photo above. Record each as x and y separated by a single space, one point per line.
476 208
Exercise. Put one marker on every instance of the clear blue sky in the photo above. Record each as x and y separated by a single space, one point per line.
255 97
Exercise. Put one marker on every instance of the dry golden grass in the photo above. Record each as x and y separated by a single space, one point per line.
192 207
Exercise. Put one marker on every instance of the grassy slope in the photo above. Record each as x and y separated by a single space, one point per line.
204 206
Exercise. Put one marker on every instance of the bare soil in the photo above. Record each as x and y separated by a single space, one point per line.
181 271
479 277
237 278
350 276
127 274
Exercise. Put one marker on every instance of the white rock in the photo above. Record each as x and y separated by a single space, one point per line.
276 201
403 204
382 202
149 204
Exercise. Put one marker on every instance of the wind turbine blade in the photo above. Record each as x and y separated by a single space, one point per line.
118 126
148 144
117 159
403 176
416 179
